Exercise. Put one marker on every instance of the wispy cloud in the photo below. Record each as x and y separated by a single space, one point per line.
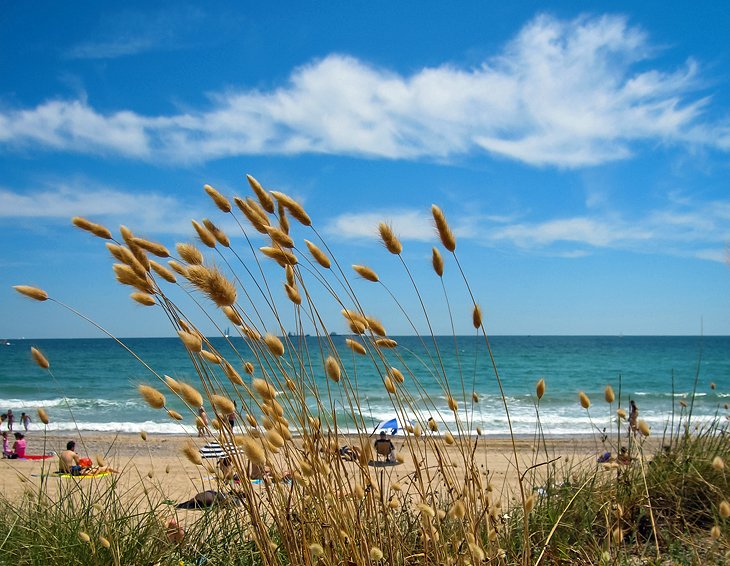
561 93
150 213
689 229
129 32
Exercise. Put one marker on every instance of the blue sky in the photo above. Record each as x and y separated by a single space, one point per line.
580 155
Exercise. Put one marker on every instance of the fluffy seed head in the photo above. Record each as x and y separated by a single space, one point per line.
220 201
232 374
448 438
585 402
103 541
319 256
682 403
153 247
718 463
274 345
163 272
210 356
608 394
175 415
204 234
477 316
43 416
152 396
189 253
263 388
264 197
281 256
32 292
294 208
279 237
375 554
355 346
190 395
192 342
92 227
332 368
530 504
192 454
391 242
250 332
84 537
453 405
442 227
222 404
432 425
397 375
389 386
366 273
128 276
178 268
724 509
621 414
540 388
258 221
253 450
644 427
218 234
438 262
39 358
274 438
715 532
143 299
376 326
232 315
248 367
143 435
212 282
457 510
293 294
386 343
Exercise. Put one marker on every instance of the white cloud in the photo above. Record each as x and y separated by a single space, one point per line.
564 93
146 213
682 228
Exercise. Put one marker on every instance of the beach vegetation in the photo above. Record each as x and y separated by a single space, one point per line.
303 484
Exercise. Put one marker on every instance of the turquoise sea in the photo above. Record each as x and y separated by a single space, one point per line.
95 379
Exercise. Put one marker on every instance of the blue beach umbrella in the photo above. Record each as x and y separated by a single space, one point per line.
390 426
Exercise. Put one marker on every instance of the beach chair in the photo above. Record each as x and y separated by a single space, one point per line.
383 449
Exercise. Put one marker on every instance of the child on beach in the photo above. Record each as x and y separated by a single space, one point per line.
18 447
6 445
25 421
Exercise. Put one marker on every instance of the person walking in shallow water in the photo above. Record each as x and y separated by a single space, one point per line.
633 417
25 420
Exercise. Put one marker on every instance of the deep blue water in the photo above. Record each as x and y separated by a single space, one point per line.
96 379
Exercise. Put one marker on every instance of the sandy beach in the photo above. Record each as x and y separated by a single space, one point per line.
159 465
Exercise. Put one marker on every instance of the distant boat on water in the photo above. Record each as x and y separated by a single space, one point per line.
6 343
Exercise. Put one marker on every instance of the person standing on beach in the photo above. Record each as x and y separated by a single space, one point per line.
11 420
25 421
633 417
232 415
202 422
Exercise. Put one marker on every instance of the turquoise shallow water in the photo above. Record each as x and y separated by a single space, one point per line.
96 379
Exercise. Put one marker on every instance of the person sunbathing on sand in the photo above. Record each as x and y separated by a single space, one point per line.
69 462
